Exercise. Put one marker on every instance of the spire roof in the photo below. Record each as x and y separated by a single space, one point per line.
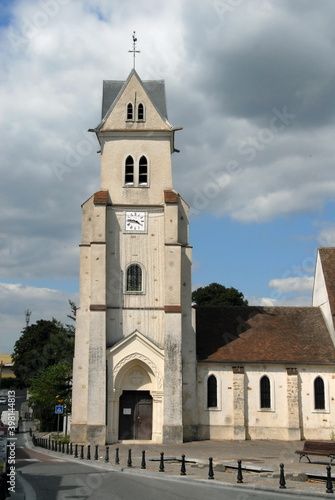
155 90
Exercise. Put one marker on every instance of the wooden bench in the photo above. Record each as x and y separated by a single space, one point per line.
322 448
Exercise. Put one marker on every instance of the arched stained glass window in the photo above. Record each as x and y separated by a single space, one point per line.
212 393
265 392
129 171
134 278
319 394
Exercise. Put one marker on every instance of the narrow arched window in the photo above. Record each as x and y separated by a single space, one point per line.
143 171
140 112
129 171
265 392
212 393
134 278
319 394
130 111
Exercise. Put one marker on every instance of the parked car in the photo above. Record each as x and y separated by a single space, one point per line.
3 400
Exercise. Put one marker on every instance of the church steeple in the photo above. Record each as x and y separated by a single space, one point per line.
136 141
134 336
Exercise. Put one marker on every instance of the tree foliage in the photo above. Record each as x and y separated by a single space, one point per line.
218 295
48 388
41 345
72 316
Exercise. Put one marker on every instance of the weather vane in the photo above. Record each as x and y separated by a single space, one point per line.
134 51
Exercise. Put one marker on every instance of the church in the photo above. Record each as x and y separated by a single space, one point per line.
149 367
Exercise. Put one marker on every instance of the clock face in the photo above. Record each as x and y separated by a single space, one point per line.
135 221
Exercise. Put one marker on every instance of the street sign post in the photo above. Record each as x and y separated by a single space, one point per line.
59 409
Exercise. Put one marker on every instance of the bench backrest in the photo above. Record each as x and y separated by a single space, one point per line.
326 446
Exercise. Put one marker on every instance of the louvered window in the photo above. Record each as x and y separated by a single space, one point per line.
143 171
130 111
129 170
140 112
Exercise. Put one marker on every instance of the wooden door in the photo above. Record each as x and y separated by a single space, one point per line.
135 415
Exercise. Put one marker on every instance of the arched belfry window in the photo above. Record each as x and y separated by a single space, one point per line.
212 392
140 112
130 111
319 394
143 171
129 170
134 278
265 392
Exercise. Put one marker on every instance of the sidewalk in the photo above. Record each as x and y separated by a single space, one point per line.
260 462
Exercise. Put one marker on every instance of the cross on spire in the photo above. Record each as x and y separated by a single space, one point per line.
134 51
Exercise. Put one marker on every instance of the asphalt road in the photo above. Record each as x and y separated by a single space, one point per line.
53 478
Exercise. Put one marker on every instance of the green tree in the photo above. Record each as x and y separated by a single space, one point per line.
41 345
72 316
48 388
218 295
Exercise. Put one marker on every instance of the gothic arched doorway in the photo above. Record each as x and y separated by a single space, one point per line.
135 415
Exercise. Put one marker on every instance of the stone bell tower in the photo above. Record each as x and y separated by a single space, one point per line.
134 366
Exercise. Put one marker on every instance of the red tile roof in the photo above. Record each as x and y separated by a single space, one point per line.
261 334
100 198
327 256
171 196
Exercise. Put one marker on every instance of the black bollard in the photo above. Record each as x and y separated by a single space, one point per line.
63 447
71 449
117 456
329 483
82 451
75 451
210 469
52 445
107 454
161 463
49 443
88 452
67 448
282 482
183 466
129 462
96 453
239 471
143 464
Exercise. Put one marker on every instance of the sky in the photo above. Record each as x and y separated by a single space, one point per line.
252 84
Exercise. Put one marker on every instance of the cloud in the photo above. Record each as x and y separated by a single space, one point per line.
297 301
44 303
293 284
247 81
326 236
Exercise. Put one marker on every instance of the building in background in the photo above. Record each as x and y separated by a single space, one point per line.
6 366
